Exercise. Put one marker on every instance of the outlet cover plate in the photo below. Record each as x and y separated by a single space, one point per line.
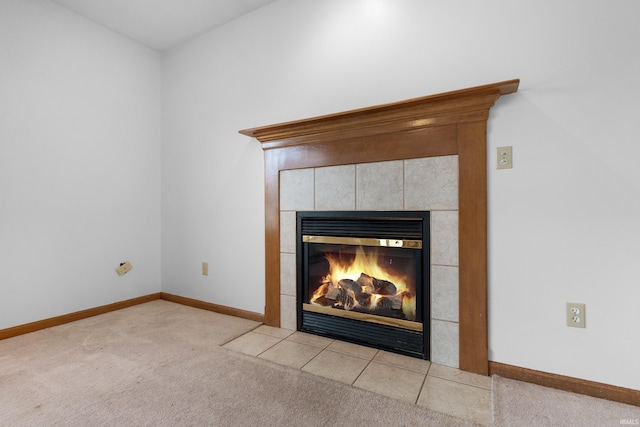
504 157
123 268
205 268
576 315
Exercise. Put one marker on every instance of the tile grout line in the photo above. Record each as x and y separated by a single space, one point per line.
353 355
313 358
269 335
310 345
322 349
424 382
463 383
391 365
364 369
270 347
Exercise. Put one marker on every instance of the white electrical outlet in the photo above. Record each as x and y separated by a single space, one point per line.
504 158
576 315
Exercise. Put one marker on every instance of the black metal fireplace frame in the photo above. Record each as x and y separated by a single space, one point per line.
373 224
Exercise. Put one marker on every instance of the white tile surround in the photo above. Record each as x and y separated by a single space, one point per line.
427 184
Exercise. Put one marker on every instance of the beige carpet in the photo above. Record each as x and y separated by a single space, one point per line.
161 364
518 403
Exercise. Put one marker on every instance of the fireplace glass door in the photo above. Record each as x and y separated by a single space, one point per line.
362 278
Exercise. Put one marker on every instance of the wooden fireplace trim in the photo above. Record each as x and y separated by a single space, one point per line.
445 124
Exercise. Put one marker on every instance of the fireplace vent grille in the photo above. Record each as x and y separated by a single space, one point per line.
380 336
380 228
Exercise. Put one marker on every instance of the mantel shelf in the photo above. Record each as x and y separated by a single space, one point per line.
459 106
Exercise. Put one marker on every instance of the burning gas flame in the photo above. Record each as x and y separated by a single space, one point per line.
364 284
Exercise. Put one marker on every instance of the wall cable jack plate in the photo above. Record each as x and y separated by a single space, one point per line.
123 268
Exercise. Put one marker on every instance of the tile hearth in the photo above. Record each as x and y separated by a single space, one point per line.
420 382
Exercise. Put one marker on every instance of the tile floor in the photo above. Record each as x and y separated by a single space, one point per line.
437 387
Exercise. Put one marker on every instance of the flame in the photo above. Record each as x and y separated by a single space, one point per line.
359 296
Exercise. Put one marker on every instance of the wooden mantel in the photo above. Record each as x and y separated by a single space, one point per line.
452 123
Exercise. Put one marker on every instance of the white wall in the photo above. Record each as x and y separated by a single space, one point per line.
79 164
212 177
563 221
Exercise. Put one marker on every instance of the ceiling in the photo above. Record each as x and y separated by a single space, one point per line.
162 24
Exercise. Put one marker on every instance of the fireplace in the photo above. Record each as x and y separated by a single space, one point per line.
452 123
363 277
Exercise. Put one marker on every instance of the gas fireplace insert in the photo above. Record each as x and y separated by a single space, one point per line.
363 277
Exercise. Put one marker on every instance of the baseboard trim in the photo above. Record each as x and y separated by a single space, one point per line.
72 317
83 314
560 382
222 309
